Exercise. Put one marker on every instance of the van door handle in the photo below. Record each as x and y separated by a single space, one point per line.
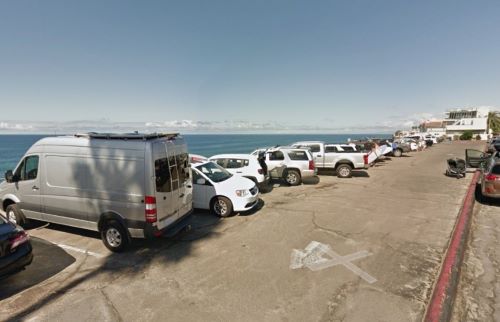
190 186
35 188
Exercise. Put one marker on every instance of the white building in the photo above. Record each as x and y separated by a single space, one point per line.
470 119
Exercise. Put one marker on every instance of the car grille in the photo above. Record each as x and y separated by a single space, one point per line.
254 190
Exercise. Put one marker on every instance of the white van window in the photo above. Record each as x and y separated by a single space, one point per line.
276 156
314 148
162 175
28 170
221 162
236 163
214 172
174 172
329 149
298 155
183 167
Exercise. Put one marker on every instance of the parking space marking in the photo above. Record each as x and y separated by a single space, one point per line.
313 258
79 250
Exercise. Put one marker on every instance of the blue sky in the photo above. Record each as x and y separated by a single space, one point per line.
327 65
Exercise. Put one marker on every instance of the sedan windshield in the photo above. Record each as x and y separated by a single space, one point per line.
214 172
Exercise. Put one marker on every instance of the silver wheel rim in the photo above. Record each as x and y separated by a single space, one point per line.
220 207
291 178
344 172
113 237
12 217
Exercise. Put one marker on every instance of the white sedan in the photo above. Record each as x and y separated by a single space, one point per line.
216 189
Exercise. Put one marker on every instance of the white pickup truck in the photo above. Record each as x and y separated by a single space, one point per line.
332 156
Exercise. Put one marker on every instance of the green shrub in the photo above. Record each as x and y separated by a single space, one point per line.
467 135
478 137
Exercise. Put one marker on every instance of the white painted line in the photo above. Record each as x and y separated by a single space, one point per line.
312 258
79 250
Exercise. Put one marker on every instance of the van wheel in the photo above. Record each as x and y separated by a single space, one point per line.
397 153
292 177
114 236
222 206
344 171
15 215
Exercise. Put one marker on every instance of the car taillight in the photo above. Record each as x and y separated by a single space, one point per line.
492 177
260 171
20 238
365 158
150 211
311 164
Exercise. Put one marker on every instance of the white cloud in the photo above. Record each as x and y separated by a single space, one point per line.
388 125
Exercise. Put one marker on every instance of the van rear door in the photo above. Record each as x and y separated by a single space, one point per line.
182 188
165 205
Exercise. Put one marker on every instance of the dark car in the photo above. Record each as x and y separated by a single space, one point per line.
398 148
494 145
15 248
490 171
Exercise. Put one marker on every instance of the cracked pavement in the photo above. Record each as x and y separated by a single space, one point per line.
478 296
237 268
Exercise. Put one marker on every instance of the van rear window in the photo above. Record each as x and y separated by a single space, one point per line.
171 173
330 149
298 155
236 163
162 175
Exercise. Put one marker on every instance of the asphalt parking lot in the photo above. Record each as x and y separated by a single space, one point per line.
380 239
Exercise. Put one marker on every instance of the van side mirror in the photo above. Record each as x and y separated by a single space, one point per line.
9 176
201 181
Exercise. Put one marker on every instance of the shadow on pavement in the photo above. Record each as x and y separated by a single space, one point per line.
253 211
311 180
48 260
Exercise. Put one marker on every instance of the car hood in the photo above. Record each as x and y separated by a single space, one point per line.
237 183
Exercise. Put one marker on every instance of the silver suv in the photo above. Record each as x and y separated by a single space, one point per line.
288 163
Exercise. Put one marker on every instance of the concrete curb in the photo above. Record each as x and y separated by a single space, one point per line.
443 295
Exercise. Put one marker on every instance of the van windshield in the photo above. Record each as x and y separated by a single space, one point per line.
214 172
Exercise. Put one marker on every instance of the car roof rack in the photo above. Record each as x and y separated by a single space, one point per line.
126 136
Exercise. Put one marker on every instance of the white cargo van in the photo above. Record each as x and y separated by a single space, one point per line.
122 185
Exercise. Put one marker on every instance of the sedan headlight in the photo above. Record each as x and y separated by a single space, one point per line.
241 193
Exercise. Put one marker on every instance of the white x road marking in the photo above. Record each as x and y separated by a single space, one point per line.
312 258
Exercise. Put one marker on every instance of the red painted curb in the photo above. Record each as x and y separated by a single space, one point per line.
443 295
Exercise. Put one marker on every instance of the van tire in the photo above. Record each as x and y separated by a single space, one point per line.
15 215
221 206
292 177
344 171
115 236
397 153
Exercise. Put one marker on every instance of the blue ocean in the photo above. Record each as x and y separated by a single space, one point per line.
13 147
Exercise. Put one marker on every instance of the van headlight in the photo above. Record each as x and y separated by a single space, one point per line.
241 193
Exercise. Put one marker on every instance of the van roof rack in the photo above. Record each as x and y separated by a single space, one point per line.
126 136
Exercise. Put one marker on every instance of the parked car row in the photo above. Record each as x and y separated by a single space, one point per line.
128 186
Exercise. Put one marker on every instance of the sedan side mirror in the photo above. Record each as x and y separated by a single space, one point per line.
9 176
